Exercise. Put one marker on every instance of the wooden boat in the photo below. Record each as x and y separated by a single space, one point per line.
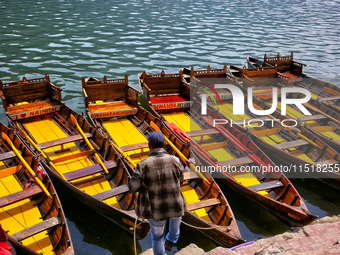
291 69
228 147
285 64
320 123
77 155
271 137
127 127
31 213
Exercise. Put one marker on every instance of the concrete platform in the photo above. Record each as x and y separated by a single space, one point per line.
319 238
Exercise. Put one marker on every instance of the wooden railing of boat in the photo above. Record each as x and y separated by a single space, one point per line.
284 63
154 85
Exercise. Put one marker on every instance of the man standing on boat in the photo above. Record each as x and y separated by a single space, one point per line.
160 198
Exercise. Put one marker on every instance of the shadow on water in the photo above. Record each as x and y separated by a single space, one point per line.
253 221
320 199
91 232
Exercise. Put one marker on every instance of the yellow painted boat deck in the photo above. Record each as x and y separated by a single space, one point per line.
227 110
124 133
21 215
47 130
312 124
183 121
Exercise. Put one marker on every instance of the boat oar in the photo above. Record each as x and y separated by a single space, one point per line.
88 143
236 142
180 154
319 111
26 136
23 161
121 152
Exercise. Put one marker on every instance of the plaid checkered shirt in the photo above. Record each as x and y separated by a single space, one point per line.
160 196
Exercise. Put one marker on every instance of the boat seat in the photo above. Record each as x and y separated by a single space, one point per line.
253 121
292 144
7 155
111 109
210 131
203 204
236 162
311 117
94 169
266 185
62 141
37 228
72 156
9 171
190 175
328 98
20 195
137 146
32 109
112 192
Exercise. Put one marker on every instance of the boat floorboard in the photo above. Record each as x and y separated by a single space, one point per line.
45 131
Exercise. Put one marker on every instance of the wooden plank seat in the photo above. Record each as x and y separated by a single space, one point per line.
72 156
90 170
236 162
266 185
7 155
62 141
111 109
329 98
37 228
311 117
112 192
253 121
20 195
292 144
32 109
203 204
190 175
210 131
137 146
168 99
9 171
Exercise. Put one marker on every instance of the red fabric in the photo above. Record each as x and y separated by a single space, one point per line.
167 99
3 237
5 248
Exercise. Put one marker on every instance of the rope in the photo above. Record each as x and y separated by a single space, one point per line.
134 235
201 228
205 228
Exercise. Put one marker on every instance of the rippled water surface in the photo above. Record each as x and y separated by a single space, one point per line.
74 39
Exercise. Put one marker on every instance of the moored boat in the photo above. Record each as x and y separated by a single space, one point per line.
290 69
31 213
227 147
128 127
75 153
323 121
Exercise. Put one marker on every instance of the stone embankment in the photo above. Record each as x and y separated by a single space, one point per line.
318 238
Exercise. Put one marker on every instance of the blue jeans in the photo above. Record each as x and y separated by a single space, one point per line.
158 232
